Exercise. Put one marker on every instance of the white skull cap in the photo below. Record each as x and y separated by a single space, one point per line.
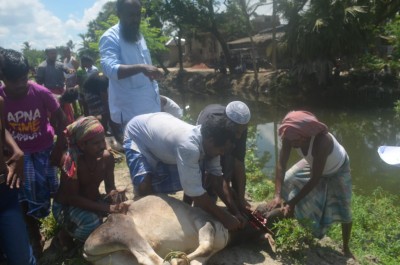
238 112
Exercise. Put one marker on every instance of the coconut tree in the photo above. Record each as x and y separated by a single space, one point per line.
70 44
26 46
319 31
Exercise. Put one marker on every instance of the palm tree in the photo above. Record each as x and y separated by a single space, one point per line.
318 32
84 44
71 45
26 46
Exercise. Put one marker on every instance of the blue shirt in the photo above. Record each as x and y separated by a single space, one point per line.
134 95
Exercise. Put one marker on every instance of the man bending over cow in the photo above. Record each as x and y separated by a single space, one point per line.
233 166
166 154
78 206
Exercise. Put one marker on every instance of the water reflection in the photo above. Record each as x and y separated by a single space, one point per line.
361 132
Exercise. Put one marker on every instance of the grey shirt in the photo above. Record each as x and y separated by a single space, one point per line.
51 75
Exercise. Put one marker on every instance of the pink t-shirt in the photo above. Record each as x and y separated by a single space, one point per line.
27 118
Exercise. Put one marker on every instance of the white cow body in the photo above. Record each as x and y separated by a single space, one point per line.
153 227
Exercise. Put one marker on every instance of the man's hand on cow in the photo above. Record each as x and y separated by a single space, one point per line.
117 196
232 223
242 219
119 208
275 203
288 210
244 205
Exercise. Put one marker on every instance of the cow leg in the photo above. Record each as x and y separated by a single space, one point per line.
211 240
112 236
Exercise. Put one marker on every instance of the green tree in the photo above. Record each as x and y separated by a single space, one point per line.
248 10
34 57
170 12
106 19
203 16
392 29
319 31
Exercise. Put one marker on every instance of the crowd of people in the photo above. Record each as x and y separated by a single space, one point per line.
41 136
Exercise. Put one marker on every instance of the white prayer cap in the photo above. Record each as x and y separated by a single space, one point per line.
238 112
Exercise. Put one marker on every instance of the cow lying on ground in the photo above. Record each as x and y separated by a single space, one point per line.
154 227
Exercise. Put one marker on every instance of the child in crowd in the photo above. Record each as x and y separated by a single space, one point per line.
86 70
78 205
14 241
96 98
87 65
27 107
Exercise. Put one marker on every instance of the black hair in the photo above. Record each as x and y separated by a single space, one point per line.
219 128
120 4
70 96
50 49
15 65
96 83
1 59
86 58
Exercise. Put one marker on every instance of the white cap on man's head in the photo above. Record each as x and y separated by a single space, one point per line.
238 112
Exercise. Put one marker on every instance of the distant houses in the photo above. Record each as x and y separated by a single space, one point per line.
204 48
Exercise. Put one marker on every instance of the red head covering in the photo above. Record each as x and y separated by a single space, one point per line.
300 124
81 130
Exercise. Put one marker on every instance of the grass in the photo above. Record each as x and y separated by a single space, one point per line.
376 228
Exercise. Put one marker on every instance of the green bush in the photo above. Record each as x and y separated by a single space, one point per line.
397 109
258 185
49 226
293 238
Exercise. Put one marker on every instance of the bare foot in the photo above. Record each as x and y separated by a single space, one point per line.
269 239
65 240
347 253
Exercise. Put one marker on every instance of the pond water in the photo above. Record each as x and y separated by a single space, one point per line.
361 132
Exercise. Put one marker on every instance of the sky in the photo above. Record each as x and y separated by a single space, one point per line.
45 23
